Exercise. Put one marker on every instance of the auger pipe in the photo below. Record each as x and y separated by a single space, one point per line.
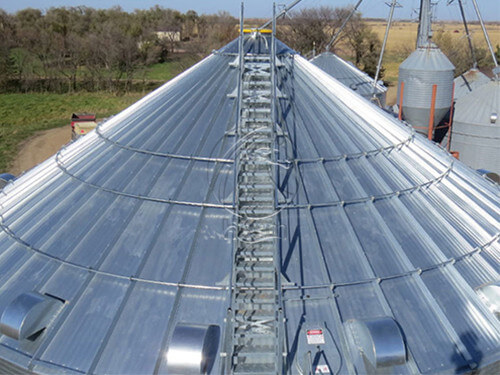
336 35
280 14
379 65
485 33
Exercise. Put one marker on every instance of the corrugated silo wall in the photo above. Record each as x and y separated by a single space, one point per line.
478 145
417 94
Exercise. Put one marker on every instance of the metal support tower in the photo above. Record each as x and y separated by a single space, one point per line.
256 338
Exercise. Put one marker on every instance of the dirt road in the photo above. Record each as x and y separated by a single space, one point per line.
39 147
46 143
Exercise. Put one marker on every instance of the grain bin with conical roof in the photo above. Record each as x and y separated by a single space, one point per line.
476 128
348 74
425 87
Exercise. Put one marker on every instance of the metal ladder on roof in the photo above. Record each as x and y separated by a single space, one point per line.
255 315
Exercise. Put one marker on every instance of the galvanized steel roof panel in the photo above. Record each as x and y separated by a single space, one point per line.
348 74
137 235
468 82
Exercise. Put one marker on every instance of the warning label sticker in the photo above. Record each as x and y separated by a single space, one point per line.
322 369
315 337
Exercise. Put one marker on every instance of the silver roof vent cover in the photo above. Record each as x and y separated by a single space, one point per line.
28 314
193 349
376 343
490 295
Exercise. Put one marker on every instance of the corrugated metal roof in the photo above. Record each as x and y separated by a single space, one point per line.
348 74
469 81
131 226
477 107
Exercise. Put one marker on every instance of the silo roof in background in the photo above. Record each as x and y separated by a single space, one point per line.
131 227
478 106
427 58
469 81
347 74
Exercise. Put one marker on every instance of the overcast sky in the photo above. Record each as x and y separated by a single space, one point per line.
490 9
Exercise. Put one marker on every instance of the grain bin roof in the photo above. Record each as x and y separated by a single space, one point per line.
478 106
469 81
347 74
131 228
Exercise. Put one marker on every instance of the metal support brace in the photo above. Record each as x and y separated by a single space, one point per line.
394 3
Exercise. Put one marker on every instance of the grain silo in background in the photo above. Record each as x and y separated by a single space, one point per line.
425 87
476 127
348 74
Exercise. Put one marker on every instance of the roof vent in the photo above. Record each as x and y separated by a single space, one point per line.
378 341
490 295
193 349
493 117
28 315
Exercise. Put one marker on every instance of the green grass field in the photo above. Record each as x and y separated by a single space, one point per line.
168 70
21 115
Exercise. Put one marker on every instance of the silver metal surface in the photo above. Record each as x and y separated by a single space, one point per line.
424 33
425 67
193 349
352 77
379 340
476 132
369 220
493 117
28 314
469 81
490 294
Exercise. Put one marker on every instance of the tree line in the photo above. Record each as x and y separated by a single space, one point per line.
71 48
310 30
67 49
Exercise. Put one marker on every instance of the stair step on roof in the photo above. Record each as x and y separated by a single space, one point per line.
256 350
251 57
256 266
252 282
254 368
